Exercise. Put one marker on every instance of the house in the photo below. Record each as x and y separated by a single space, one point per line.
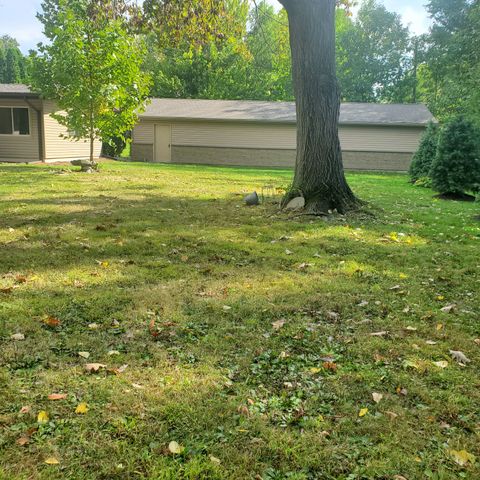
252 133
29 134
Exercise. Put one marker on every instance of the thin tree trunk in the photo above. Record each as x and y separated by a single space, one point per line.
319 175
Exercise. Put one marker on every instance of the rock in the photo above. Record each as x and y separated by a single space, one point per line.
85 165
252 199
296 204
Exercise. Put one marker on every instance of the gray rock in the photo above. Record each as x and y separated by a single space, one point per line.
252 199
296 203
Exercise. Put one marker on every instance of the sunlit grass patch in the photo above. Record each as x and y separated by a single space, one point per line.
253 339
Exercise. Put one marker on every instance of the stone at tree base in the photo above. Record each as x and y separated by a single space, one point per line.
252 199
296 203
85 165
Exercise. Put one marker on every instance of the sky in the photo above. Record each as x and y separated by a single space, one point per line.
17 18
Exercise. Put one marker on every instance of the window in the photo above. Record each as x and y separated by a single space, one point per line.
14 121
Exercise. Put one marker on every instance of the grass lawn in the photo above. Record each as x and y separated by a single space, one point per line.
241 334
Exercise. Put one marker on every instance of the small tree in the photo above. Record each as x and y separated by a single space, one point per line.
91 68
456 168
425 155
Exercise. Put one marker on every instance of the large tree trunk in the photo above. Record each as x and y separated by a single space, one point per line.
319 175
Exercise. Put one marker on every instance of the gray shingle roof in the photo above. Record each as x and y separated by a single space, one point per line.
16 89
282 112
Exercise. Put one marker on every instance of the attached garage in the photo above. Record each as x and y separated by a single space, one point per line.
28 132
263 134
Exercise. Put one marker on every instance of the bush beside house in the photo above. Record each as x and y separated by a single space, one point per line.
425 155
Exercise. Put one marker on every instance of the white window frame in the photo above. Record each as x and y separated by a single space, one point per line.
11 107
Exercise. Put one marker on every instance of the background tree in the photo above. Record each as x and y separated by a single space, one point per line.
456 168
13 64
91 68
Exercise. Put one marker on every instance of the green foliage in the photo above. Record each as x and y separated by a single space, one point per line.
456 168
13 65
91 68
425 155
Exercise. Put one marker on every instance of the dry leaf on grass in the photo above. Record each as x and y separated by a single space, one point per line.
94 367
379 334
51 321
278 324
441 364
377 397
462 457
57 396
23 440
25 409
459 357
363 412
175 448
84 354
51 461
17 336
448 308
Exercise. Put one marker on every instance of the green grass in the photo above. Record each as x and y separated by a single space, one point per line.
171 250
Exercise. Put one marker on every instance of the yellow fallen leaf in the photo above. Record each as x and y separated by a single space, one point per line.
315 370
175 448
51 461
363 412
441 364
215 460
462 457
81 408
42 417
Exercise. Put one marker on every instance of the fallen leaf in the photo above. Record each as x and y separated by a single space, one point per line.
214 460
81 408
363 412
392 415
363 303
84 354
23 440
315 370
288 252
330 366
459 357
51 461
278 324
17 336
439 327
226 308
430 342
175 448
94 367
113 352
379 334
51 321
21 279
377 397
402 391
448 308
25 409
138 386
304 266
399 477
441 364
411 329
6 290
462 457
93 326
477 341
42 417
411 364
57 396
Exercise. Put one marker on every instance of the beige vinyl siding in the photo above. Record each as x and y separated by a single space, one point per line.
280 137
144 132
58 148
21 147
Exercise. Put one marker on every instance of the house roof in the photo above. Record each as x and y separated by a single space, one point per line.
283 112
16 90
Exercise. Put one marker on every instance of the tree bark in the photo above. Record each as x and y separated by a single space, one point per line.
319 175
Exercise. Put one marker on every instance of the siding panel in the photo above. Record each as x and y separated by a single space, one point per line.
144 133
58 148
21 147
